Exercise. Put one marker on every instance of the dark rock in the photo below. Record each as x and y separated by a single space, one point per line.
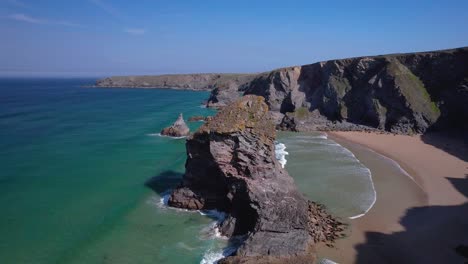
400 93
462 250
178 129
227 93
288 123
231 167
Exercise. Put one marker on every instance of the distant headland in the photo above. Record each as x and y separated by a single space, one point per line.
399 93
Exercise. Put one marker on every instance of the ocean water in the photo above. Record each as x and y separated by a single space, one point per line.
328 173
84 172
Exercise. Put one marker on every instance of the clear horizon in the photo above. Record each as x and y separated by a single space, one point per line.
96 38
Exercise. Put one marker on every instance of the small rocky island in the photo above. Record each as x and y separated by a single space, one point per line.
178 129
231 167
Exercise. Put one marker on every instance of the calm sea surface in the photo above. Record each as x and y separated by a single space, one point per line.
83 172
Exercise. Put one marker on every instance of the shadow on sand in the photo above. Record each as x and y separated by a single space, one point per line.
454 143
433 234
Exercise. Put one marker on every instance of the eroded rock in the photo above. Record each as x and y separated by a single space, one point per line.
231 166
178 129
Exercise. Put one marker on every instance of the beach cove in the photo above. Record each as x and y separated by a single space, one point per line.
419 209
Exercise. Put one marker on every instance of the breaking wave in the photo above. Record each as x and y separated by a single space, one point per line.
280 153
211 232
159 135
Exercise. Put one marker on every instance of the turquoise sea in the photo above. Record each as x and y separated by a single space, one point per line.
83 172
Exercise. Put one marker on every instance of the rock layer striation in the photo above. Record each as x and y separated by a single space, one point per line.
231 167
402 93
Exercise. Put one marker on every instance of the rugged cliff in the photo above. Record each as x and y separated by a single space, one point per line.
402 93
178 81
231 167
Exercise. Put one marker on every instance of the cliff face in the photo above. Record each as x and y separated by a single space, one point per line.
402 93
178 81
231 166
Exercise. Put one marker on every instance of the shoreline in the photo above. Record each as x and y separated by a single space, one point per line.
149 87
382 235
426 164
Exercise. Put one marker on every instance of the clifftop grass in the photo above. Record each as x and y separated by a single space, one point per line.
249 112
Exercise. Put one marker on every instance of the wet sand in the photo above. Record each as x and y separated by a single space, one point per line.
429 165
412 220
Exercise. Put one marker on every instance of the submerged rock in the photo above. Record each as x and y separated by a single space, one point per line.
198 118
231 166
178 129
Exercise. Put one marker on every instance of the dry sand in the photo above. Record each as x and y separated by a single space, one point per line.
428 164
421 212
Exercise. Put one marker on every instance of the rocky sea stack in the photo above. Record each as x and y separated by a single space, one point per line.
231 167
178 129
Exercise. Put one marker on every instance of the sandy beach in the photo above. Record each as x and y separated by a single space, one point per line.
422 205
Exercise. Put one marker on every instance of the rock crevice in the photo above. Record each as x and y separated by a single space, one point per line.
231 166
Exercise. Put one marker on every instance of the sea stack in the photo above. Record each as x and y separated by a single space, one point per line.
231 167
178 129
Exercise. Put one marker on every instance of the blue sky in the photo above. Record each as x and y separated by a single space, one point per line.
115 37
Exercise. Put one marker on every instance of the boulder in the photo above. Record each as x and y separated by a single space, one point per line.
178 129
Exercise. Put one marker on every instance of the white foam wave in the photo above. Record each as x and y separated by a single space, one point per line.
327 261
212 256
212 230
162 203
185 246
217 215
164 199
280 153
320 136
396 164
368 173
159 135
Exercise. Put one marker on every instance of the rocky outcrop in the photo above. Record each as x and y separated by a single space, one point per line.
178 81
227 93
402 93
231 167
178 129
199 118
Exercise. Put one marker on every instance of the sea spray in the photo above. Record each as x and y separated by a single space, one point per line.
159 135
221 246
280 153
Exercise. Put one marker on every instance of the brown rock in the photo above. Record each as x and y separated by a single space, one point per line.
178 129
231 166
